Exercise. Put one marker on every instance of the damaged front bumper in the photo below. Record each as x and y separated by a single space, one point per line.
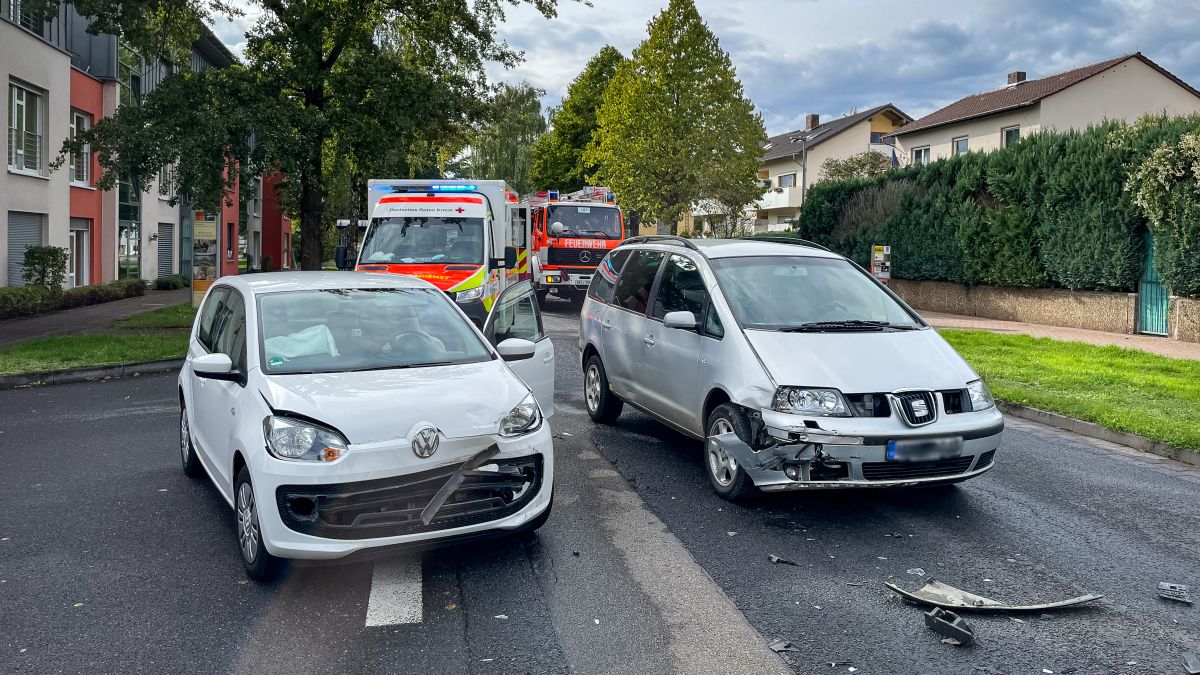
812 457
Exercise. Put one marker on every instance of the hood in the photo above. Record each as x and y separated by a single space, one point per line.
859 363
461 400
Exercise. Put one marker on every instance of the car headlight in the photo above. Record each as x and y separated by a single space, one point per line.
469 295
524 418
981 398
289 438
810 401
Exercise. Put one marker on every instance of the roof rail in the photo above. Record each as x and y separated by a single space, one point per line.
660 239
787 240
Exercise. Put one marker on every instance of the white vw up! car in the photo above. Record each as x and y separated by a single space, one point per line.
797 368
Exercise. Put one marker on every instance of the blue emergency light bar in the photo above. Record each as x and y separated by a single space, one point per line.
425 188
453 188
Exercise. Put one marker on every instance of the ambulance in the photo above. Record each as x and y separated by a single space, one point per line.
470 238
572 232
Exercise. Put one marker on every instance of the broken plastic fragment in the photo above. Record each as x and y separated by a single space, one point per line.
942 595
501 616
1191 663
950 625
781 561
783 646
1176 592
917 571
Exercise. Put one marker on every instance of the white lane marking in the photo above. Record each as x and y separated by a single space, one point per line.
395 592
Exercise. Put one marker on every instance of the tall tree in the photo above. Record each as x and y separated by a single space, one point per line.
503 146
558 156
675 126
299 89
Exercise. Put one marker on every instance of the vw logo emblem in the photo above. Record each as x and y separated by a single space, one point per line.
425 441
585 256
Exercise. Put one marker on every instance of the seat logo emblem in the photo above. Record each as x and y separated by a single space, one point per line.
585 256
425 441
919 409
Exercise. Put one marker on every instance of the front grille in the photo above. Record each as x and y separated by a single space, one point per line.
575 257
917 407
985 459
389 507
955 401
912 470
869 405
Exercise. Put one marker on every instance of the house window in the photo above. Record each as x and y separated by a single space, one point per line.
24 17
81 162
166 181
920 155
24 129
129 74
787 180
229 247
960 145
1009 136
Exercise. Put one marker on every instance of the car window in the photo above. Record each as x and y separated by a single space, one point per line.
209 316
350 329
637 278
681 289
516 317
712 323
231 336
604 282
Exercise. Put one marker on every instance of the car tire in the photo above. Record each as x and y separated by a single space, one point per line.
259 563
727 478
541 297
602 405
191 463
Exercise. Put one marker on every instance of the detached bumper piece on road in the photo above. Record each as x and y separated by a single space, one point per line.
390 507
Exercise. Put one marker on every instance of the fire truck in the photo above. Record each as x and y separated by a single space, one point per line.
572 232
469 238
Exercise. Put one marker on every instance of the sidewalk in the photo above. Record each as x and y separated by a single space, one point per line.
1157 345
86 319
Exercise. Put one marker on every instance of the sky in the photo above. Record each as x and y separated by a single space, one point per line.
834 56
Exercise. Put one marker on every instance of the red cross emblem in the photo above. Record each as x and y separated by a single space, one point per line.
459 209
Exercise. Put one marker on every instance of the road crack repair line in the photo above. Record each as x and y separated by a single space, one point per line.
396 596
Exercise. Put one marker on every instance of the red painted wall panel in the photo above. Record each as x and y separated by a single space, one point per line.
87 95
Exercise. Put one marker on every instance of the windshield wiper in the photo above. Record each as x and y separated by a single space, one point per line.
401 366
844 325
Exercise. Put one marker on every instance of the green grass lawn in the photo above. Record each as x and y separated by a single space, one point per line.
157 334
1122 389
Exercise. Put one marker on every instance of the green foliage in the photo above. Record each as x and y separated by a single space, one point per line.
865 164
18 301
503 146
46 266
675 127
1055 210
172 282
96 349
558 155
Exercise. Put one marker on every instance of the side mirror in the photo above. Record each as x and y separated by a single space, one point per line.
510 257
215 367
516 349
557 228
685 320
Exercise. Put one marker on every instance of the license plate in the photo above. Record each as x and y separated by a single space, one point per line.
924 450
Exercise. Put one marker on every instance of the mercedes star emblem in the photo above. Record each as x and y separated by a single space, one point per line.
585 256
425 441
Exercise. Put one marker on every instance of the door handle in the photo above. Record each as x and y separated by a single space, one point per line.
549 358
606 325
649 340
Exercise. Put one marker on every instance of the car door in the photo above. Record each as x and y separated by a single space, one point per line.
202 400
625 337
671 355
222 397
516 314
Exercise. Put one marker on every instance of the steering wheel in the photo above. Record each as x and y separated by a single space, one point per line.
823 310
417 341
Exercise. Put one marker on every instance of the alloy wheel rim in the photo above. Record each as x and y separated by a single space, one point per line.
247 523
591 388
184 435
721 464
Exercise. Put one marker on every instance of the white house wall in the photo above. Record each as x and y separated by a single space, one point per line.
1126 91
983 133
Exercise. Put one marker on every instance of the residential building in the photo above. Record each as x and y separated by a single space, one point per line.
791 162
1121 88
58 81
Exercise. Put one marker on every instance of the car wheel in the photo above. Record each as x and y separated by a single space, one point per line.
541 297
259 563
728 479
602 405
191 463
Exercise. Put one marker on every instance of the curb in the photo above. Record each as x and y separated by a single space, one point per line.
1092 430
89 374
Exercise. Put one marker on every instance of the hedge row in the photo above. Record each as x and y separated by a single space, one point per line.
1050 211
18 301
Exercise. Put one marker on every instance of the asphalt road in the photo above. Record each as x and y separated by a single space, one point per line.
111 560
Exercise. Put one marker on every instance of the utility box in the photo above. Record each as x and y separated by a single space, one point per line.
881 263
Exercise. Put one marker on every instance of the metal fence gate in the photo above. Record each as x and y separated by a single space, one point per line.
166 249
1153 299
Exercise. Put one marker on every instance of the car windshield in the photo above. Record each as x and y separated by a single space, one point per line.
424 240
602 222
807 293
340 330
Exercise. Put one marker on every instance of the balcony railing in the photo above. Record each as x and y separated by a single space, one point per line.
780 198
24 150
